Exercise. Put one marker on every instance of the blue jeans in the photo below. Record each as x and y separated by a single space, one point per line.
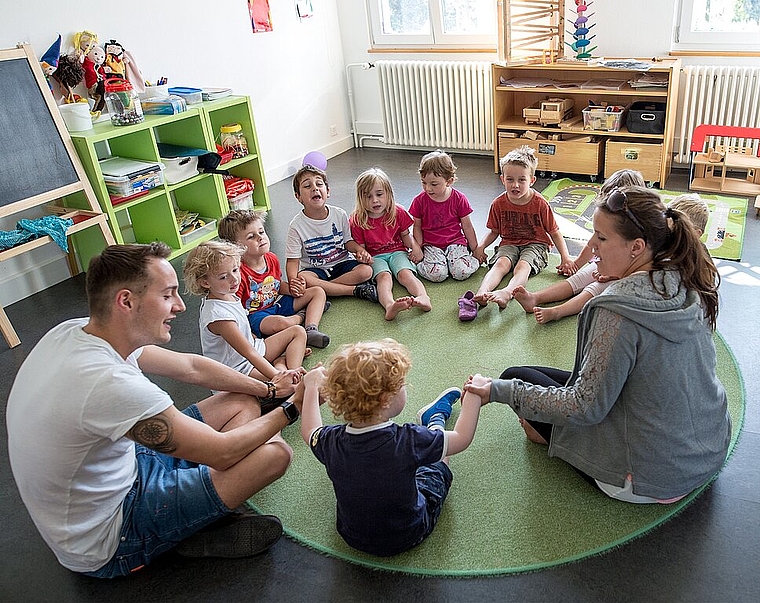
170 500
433 482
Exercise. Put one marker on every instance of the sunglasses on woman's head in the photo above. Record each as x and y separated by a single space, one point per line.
617 201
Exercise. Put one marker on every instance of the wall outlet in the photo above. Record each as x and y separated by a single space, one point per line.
333 130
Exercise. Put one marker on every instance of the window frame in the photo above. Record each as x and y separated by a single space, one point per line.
685 39
436 39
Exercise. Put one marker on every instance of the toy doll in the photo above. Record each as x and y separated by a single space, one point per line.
114 60
94 76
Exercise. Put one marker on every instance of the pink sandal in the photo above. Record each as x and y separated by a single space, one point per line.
468 309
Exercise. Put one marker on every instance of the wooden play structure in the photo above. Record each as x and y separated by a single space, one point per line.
727 168
530 31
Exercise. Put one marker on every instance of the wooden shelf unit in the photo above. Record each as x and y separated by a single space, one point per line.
656 149
152 216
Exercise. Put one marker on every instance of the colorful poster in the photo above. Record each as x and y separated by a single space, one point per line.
261 19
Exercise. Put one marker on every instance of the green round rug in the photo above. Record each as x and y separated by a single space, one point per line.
511 508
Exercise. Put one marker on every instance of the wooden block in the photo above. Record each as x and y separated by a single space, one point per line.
507 134
577 137
571 123
530 134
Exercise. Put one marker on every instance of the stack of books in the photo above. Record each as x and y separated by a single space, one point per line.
210 94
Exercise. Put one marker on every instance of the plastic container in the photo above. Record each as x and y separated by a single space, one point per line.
199 233
170 105
602 118
232 138
244 201
192 96
126 177
179 168
76 116
123 103
646 118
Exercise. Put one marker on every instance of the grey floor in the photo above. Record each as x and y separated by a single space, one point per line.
710 552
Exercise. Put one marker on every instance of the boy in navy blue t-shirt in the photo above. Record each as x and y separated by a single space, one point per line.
390 480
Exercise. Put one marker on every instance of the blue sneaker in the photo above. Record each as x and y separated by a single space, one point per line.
440 406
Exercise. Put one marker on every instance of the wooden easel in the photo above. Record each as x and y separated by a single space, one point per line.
38 162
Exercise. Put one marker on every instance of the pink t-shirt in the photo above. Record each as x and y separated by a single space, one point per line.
379 237
522 224
441 222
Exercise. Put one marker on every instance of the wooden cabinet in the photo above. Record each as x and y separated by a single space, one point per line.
153 215
519 86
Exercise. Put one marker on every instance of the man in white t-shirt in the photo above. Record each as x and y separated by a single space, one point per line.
112 473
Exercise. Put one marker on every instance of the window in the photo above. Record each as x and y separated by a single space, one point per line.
451 24
718 25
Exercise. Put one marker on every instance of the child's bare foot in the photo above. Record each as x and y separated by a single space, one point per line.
482 298
307 352
525 298
544 315
422 302
531 433
398 305
501 298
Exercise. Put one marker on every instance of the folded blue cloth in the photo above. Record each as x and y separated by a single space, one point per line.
28 230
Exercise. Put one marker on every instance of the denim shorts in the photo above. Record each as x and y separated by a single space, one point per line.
282 307
433 482
333 272
393 262
170 500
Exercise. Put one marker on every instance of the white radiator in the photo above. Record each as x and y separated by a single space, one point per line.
722 96
441 104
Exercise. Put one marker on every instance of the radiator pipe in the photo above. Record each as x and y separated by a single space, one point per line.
365 67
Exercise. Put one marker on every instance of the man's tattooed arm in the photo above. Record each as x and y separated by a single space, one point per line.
155 433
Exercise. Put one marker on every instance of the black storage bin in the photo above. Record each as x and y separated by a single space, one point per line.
646 118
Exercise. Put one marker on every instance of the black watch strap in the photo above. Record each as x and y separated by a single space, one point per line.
291 412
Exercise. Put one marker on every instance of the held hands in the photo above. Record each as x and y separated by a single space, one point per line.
363 256
567 268
480 386
297 286
415 255
480 254
285 382
314 379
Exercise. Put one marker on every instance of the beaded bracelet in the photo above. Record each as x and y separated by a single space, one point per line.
271 393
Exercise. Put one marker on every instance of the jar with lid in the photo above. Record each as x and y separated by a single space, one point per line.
233 139
123 102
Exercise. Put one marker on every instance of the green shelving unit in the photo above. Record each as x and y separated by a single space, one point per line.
153 216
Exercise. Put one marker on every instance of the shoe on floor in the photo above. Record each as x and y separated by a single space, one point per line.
316 338
441 405
366 291
239 534
468 309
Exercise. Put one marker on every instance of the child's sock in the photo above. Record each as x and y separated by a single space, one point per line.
437 421
315 338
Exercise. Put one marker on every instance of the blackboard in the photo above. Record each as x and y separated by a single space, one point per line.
38 162
33 157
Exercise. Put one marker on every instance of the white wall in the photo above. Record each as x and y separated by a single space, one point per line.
294 76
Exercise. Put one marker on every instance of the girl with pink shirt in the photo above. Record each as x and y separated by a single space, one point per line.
382 228
442 225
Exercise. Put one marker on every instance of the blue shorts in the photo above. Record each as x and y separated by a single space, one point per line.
433 482
333 272
170 500
282 307
393 262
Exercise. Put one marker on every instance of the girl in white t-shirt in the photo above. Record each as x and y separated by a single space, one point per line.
212 270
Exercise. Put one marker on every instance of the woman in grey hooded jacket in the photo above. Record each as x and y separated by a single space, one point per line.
642 415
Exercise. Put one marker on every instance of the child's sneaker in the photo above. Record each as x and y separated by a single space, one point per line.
439 410
366 291
468 309
315 338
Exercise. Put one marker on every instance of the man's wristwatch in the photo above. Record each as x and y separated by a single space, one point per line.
291 412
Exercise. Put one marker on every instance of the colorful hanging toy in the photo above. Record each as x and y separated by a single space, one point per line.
581 44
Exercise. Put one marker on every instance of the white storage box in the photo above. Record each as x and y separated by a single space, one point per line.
178 169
